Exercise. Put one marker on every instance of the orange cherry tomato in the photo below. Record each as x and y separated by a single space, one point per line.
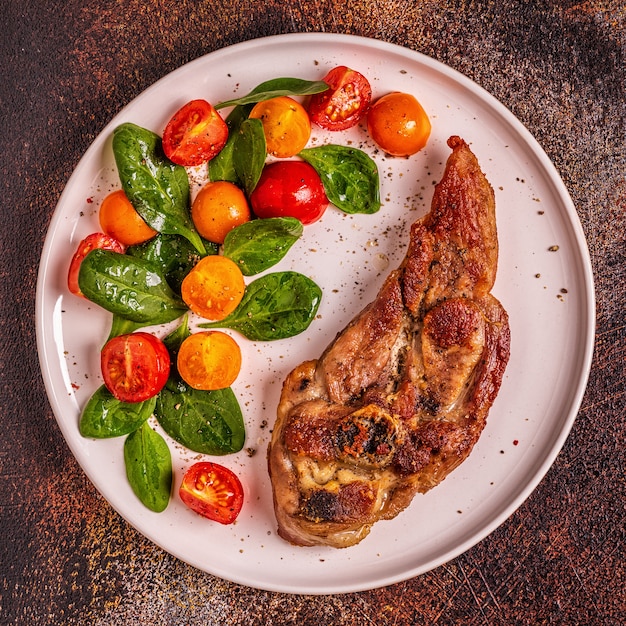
135 367
219 207
213 491
398 124
286 125
344 103
195 134
209 360
89 243
214 287
119 219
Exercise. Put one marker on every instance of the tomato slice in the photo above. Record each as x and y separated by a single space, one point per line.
135 367
289 189
345 103
209 360
213 491
89 243
195 134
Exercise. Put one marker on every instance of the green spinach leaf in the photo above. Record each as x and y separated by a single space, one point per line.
129 287
274 306
156 187
350 177
277 87
105 416
209 422
249 154
149 467
122 326
257 245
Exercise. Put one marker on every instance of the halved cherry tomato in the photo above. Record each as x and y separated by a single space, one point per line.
89 243
135 367
195 134
286 125
119 219
213 491
209 360
289 189
214 287
398 124
344 103
219 207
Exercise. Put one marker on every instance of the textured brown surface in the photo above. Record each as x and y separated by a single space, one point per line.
66 68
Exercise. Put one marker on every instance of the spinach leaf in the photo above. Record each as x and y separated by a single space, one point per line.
149 467
105 416
277 87
221 166
249 153
350 177
274 306
209 422
156 187
174 255
257 245
122 326
129 287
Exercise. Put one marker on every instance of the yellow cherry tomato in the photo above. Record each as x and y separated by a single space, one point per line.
209 360
119 219
218 208
398 124
214 287
286 125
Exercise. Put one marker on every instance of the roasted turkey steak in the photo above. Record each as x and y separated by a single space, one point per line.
400 397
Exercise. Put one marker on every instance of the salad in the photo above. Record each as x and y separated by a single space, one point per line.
163 256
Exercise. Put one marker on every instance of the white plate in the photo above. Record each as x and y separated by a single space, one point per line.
548 294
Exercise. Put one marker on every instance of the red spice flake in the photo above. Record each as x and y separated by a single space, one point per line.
89 200
515 442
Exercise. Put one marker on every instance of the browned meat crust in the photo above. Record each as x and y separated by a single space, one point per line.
401 396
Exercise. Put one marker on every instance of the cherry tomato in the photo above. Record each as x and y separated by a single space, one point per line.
289 189
214 287
209 360
398 124
219 207
89 243
195 134
213 491
120 220
135 367
344 103
286 125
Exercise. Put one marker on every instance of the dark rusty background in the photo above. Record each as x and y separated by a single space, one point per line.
66 67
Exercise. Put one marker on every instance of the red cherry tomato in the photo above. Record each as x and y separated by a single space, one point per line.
344 103
213 491
135 367
89 243
195 134
289 189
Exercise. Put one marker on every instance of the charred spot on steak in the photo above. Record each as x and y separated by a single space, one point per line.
366 437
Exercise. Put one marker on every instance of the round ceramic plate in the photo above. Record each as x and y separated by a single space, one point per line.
544 281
